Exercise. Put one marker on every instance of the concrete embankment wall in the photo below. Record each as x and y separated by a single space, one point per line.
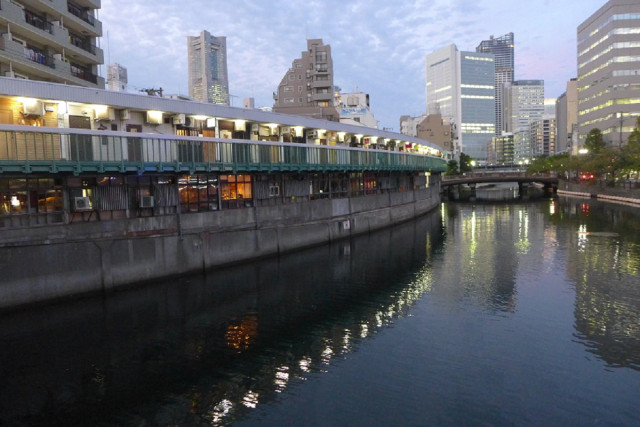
616 195
48 263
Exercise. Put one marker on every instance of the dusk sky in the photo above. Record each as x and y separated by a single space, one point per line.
377 46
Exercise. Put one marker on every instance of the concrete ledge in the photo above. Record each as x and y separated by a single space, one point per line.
102 256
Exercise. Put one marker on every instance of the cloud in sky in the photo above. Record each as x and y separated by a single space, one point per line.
378 47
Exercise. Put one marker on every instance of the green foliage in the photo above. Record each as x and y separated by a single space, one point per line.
560 163
604 162
452 168
465 163
594 141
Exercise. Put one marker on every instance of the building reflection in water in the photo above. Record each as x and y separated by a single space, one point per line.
605 270
210 347
487 242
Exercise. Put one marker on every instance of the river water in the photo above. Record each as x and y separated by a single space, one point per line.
516 313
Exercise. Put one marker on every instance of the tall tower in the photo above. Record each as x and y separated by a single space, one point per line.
460 87
208 78
53 41
608 71
307 87
502 49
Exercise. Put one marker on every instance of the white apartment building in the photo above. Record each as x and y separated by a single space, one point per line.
51 40
354 109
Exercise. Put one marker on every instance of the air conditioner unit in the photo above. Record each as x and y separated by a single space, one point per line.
179 119
33 108
125 114
81 204
146 201
189 122
313 134
285 130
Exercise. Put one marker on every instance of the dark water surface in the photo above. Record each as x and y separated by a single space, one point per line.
477 314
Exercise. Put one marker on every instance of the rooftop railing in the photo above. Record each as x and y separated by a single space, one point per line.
78 151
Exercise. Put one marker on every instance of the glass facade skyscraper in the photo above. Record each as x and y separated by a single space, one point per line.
502 48
460 86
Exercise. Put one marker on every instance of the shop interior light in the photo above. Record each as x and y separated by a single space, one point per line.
100 109
27 101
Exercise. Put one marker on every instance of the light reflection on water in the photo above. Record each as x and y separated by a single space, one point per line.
476 314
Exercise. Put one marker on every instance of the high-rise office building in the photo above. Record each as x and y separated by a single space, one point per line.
502 48
460 86
53 41
208 78
307 87
609 71
523 103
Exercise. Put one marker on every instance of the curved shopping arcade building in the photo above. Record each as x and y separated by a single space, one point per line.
104 189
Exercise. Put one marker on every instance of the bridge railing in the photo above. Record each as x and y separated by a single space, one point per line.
494 174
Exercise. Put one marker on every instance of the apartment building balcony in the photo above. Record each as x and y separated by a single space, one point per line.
91 4
316 84
322 97
33 63
84 19
83 46
32 28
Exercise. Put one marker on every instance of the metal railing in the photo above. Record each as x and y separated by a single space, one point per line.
82 43
76 150
38 22
85 16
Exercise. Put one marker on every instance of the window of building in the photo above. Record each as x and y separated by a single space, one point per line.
198 193
30 196
321 56
288 88
236 191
